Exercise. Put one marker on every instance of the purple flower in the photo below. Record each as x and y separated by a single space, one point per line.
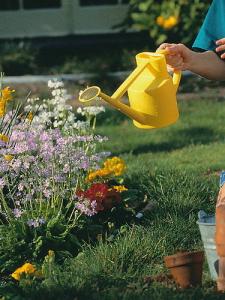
41 221
30 222
66 168
84 165
36 222
16 164
17 212
20 186
86 207
2 183
59 178
47 193
44 137
28 197
2 144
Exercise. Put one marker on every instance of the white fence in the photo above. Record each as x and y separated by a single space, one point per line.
41 18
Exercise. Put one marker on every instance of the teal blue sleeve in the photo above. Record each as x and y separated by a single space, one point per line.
213 27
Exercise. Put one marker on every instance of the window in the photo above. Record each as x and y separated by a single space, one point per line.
97 2
9 4
36 4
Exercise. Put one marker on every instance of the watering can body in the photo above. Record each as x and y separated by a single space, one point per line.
151 93
154 92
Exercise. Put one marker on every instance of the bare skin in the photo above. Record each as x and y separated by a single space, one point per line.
206 64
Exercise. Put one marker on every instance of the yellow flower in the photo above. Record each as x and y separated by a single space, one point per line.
160 20
4 138
6 94
115 165
120 188
119 169
27 268
170 22
98 173
8 157
103 172
2 108
30 116
91 176
112 166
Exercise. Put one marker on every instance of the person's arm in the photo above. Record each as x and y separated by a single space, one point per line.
207 64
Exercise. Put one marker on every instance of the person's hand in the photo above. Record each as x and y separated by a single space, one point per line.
179 56
221 47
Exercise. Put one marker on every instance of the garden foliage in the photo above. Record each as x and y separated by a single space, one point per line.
165 20
58 188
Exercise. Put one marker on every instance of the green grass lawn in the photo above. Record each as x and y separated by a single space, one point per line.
177 168
194 143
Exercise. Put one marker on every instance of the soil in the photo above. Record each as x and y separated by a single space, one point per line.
166 279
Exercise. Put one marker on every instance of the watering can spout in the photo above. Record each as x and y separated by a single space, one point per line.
151 92
93 92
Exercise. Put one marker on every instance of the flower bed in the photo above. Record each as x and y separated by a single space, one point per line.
58 187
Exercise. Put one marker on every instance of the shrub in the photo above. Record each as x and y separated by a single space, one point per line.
18 58
175 21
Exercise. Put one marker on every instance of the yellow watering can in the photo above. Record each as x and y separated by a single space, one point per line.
151 92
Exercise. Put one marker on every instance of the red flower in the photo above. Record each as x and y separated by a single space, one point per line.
97 192
113 198
79 193
100 193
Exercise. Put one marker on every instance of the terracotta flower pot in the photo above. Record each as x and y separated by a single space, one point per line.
186 268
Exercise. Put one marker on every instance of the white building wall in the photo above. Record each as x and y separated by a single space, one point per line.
70 18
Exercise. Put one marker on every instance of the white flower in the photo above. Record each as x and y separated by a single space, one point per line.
79 110
57 113
81 125
56 92
28 107
94 110
70 117
54 84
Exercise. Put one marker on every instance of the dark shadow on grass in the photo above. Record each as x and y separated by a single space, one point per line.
180 139
128 291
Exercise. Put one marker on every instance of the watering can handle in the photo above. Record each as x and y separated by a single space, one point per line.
176 74
176 78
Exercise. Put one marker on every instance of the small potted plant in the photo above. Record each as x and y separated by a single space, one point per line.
186 267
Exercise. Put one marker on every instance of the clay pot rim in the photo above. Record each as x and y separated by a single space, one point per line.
183 258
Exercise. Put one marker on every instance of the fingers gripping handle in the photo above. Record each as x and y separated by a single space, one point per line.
176 78
176 74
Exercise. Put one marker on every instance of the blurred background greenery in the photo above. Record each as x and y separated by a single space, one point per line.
147 24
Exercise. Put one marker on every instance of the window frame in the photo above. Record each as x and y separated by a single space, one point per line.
24 5
117 2
11 9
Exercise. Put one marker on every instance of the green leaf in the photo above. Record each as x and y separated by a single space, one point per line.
144 6
161 39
